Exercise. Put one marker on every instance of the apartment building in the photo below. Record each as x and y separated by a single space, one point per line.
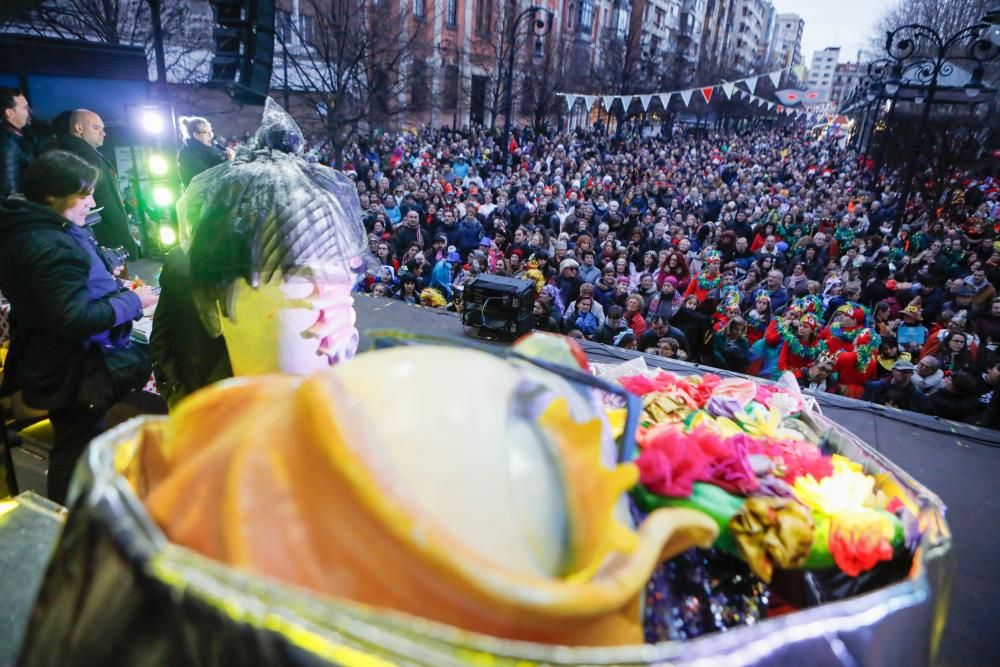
822 71
786 41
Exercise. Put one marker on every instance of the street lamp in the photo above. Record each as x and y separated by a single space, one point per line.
541 25
927 55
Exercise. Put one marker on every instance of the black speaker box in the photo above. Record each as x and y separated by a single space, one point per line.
498 307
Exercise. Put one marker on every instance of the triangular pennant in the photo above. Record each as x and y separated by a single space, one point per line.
728 89
789 112
751 84
706 92
686 96
800 72
780 108
609 101
588 101
665 99
570 100
775 78
770 105
644 100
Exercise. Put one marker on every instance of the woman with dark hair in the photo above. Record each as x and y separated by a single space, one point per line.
70 351
957 400
730 347
954 353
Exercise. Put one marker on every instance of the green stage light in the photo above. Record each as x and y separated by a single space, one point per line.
158 165
162 196
167 235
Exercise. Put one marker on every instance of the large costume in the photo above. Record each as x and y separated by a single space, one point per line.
275 242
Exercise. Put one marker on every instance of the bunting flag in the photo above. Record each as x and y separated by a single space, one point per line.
751 84
789 112
706 92
728 89
686 97
800 72
665 99
609 101
570 100
770 105
588 101
775 78
645 100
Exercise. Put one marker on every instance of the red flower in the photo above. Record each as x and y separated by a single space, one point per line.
672 460
859 541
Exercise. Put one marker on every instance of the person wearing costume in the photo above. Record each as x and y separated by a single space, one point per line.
765 352
802 347
706 284
758 318
847 323
858 365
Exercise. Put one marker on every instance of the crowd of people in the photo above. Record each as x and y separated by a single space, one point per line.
761 252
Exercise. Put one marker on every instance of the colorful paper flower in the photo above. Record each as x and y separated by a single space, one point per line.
772 532
859 540
669 465
846 490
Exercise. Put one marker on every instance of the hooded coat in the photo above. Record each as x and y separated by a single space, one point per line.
67 311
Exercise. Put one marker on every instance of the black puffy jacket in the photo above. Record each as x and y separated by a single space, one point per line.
195 158
15 154
57 313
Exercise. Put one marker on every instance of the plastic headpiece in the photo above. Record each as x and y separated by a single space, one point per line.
810 320
961 317
826 357
268 212
278 131
713 256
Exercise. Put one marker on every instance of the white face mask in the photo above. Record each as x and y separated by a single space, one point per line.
298 324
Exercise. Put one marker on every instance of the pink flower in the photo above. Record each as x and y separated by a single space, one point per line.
671 462
732 471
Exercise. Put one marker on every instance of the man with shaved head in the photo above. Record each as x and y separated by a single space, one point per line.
86 135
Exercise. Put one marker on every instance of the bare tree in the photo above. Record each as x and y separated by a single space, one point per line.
363 65
945 17
187 29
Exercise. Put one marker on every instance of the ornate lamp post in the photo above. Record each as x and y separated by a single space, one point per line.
921 56
541 24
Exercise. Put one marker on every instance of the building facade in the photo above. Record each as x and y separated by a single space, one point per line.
846 76
822 70
786 41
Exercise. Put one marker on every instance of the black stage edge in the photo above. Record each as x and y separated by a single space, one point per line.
959 463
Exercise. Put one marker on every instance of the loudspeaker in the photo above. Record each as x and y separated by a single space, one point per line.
244 47
498 307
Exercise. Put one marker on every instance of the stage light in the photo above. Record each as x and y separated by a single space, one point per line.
152 121
167 235
162 196
158 165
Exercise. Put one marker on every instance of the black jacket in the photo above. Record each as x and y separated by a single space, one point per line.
195 158
57 316
185 356
112 230
15 154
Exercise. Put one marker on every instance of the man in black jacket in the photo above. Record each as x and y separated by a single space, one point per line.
71 320
86 135
15 149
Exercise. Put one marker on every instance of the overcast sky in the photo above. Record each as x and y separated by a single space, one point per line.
844 23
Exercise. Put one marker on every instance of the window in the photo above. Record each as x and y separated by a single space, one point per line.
284 27
420 8
659 18
451 13
418 85
586 14
484 17
451 87
306 24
